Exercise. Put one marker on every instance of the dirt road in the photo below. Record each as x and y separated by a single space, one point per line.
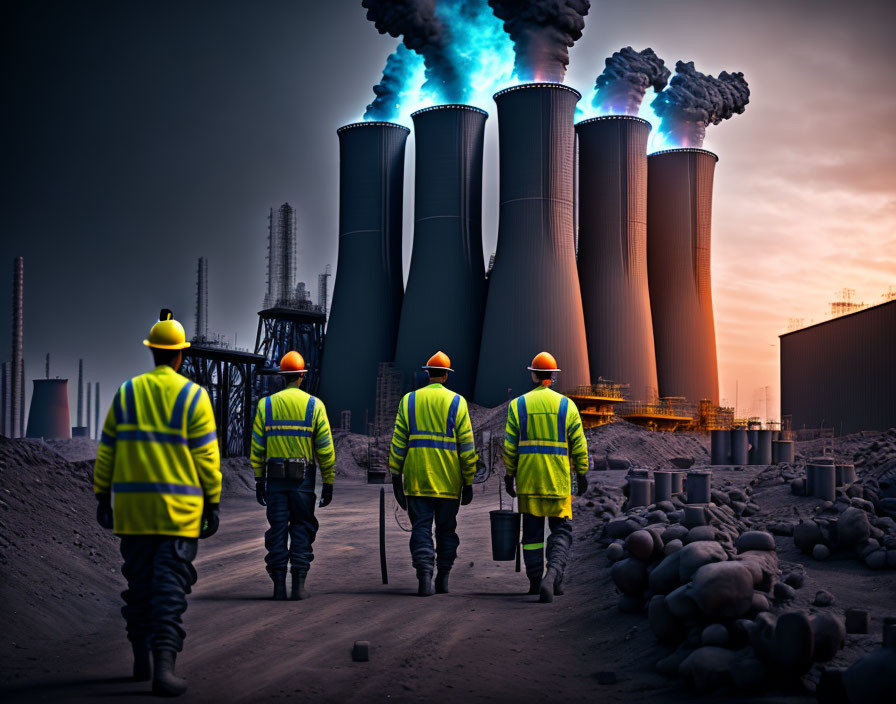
484 641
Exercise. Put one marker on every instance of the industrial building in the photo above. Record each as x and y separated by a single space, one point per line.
840 373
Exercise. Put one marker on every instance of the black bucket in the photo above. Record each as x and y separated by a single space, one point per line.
505 534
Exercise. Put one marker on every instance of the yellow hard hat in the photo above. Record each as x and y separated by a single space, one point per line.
167 334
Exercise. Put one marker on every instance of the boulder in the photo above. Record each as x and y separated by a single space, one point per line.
630 576
821 552
615 552
640 544
795 579
823 598
794 642
762 635
829 633
755 540
664 578
700 533
876 560
759 603
695 555
657 517
723 589
783 593
763 565
663 624
806 535
872 679
830 689
852 528
675 546
622 527
715 634
709 667
674 532
681 605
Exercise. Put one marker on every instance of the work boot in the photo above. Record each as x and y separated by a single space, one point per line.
546 592
558 586
298 586
534 583
164 682
279 577
142 662
424 583
442 581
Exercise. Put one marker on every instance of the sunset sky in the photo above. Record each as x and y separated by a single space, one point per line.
139 136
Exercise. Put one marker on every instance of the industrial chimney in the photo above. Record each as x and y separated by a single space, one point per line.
4 399
201 300
368 289
96 418
445 295
17 387
80 391
534 302
679 213
613 251
49 416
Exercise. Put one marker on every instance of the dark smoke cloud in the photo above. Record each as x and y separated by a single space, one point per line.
692 101
421 31
542 32
628 74
390 91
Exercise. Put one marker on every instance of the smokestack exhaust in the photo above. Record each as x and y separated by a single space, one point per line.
445 296
534 302
368 290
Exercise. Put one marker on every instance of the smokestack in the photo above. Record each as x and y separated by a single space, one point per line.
202 299
4 399
96 417
49 416
47 369
80 392
613 251
17 389
679 214
445 296
281 256
534 302
368 289
88 409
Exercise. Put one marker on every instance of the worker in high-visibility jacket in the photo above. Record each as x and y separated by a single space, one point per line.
290 430
544 431
433 460
157 480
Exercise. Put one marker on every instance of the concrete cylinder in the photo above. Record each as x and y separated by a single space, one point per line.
49 415
662 482
845 474
825 482
764 447
739 449
720 444
698 486
753 441
810 480
782 451
639 492
677 482
694 516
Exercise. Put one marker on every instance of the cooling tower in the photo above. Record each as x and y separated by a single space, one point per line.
679 213
49 416
534 302
445 295
367 293
613 251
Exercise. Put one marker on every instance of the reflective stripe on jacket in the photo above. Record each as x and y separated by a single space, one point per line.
543 429
432 445
158 455
292 423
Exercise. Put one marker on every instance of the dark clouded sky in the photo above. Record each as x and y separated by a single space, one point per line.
137 136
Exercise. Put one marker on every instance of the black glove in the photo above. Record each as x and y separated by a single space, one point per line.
326 495
104 510
398 490
508 484
261 494
466 496
209 521
581 483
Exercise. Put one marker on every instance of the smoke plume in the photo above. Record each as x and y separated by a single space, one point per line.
542 32
626 77
402 66
421 31
693 101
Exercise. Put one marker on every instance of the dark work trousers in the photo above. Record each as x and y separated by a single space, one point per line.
293 525
559 544
423 510
159 570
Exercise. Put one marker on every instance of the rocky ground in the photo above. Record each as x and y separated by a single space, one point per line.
745 613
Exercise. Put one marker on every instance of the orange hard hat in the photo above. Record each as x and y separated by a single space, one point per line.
544 362
292 363
439 361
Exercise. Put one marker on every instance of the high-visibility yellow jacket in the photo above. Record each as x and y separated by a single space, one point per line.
543 430
292 423
432 445
158 454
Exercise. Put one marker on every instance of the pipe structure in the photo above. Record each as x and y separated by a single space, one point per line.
612 252
201 299
87 413
679 215
763 447
662 481
96 418
49 415
825 482
698 487
782 451
640 491
445 296
720 447
369 285
80 392
534 302
739 446
17 387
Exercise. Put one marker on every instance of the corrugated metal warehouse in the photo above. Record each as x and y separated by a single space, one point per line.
842 373
445 296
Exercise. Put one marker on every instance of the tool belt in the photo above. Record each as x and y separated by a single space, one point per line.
294 468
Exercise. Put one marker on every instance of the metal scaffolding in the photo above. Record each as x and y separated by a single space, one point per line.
283 329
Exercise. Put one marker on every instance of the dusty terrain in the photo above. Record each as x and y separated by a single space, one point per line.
63 638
